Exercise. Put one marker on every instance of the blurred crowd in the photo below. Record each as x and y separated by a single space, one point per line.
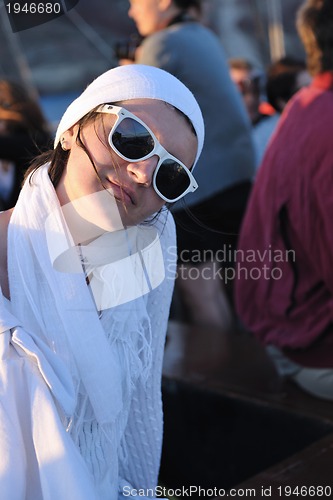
264 182
24 133
265 196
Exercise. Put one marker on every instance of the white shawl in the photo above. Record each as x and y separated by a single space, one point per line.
94 357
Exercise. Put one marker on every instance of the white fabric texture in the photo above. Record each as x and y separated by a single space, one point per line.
135 81
38 458
90 381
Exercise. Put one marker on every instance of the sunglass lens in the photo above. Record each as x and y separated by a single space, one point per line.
132 139
172 179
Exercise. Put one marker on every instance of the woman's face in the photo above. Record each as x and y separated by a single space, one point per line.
131 183
148 16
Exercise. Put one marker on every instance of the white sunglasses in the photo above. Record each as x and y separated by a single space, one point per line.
132 140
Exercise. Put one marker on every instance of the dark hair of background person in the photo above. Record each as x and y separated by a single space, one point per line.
315 27
281 83
187 4
24 132
19 110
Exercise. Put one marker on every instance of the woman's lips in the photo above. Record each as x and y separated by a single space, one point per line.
123 193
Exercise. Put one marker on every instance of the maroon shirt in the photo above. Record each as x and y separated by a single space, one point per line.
284 285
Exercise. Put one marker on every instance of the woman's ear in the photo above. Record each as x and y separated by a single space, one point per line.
165 5
68 138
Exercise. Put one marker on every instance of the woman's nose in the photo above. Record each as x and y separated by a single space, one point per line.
142 171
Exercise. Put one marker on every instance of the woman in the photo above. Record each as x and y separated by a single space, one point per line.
23 134
89 273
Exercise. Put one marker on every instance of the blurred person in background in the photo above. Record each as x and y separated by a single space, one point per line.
284 78
284 292
175 40
249 82
24 133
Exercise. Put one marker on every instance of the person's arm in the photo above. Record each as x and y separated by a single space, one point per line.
320 244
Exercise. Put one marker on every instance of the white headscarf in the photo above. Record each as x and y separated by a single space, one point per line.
135 81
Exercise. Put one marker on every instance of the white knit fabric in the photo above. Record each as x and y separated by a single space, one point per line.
122 444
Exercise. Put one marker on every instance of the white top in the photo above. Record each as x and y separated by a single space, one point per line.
52 445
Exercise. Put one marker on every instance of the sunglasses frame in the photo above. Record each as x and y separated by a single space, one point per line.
158 150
